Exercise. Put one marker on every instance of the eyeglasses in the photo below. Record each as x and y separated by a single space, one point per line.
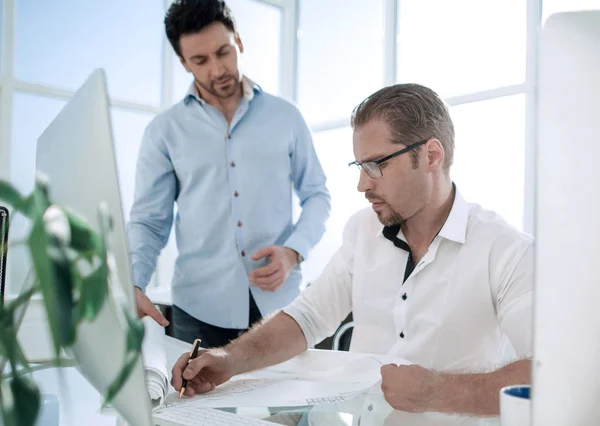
372 167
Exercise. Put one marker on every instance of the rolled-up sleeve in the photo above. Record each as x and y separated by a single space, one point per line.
515 303
324 304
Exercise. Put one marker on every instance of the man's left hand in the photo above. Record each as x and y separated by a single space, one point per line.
271 276
410 388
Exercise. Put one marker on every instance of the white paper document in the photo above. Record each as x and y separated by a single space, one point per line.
312 378
329 380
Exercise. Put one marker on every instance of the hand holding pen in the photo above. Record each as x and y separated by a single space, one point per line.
193 355
204 369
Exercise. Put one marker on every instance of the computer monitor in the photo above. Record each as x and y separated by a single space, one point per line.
566 374
77 155
4 220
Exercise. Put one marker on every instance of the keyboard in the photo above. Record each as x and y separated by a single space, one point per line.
192 416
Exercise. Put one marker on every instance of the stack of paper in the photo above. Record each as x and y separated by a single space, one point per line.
155 362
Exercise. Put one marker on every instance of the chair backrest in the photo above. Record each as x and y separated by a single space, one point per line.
3 249
342 337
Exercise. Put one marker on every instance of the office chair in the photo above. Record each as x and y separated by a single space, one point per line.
3 249
340 341
342 337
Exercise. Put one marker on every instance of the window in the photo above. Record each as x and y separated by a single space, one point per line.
259 26
472 52
59 44
340 56
489 160
128 129
334 148
555 6
31 115
462 46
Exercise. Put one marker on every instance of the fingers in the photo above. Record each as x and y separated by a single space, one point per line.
190 369
139 301
201 386
271 283
146 307
266 279
198 386
263 252
177 370
387 369
196 365
265 271
155 314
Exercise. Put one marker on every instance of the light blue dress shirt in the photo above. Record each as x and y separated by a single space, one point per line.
233 190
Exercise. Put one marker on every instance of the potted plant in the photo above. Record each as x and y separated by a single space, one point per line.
72 273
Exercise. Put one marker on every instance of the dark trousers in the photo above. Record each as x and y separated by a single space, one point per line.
188 328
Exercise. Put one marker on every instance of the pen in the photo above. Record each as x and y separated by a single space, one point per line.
193 355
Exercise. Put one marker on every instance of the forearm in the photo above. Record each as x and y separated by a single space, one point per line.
478 394
273 341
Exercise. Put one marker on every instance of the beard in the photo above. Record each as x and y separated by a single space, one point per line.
390 219
387 216
223 92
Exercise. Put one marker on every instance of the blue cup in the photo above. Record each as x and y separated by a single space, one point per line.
515 405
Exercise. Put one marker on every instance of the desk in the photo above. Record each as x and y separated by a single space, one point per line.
80 404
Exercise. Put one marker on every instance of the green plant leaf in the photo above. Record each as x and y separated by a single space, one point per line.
135 337
38 242
57 278
20 401
83 239
135 334
9 344
93 290
7 403
10 195
117 384
61 267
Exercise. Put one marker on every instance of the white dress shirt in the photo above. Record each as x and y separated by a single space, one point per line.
466 306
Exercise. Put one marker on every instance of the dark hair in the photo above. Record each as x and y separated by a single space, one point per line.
191 16
413 113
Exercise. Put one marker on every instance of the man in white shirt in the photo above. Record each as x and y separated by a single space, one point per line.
443 284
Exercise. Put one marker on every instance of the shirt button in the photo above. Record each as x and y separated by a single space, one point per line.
402 335
232 164
235 194
239 224
404 297
243 253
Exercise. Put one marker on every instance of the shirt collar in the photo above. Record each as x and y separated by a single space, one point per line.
249 89
455 227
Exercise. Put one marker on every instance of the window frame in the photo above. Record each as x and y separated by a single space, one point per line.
288 83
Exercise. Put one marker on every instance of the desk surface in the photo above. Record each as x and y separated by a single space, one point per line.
80 404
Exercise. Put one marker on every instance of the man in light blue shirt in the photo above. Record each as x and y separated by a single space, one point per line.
228 155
